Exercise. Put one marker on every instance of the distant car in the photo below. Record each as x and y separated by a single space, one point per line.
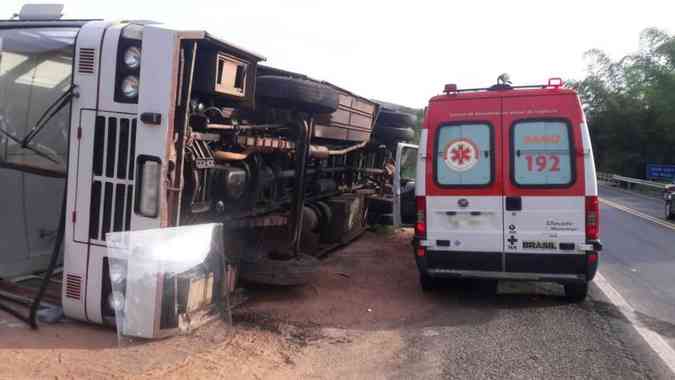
669 198
506 188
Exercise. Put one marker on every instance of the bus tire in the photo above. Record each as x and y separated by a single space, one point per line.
395 119
394 135
297 94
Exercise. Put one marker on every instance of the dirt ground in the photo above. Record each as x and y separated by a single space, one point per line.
361 295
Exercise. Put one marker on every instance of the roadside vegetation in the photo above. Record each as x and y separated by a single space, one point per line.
630 105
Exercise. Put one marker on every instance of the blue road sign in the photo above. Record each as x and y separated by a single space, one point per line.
657 171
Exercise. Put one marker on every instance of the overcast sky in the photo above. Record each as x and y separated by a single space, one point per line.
404 51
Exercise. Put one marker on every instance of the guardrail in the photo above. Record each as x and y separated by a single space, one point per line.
629 182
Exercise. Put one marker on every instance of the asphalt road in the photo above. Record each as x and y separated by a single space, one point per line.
650 205
639 258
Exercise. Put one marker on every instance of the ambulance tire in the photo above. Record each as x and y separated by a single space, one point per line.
296 94
576 292
669 210
395 119
427 283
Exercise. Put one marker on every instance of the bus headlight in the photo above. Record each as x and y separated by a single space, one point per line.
132 57
148 204
130 86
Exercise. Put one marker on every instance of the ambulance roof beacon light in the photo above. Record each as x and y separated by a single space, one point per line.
555 82
450 88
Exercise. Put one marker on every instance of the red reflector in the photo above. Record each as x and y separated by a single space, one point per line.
421 251
592 258
592 218
421 222
74 216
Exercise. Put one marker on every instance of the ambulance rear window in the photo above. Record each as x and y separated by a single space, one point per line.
463 155
541 153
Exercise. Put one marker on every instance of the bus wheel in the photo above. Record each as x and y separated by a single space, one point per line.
395 119
296 94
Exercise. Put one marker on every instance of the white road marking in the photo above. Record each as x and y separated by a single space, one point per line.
638 214
653 339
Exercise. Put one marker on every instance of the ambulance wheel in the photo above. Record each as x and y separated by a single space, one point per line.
576 292
669 210
427 282
298 94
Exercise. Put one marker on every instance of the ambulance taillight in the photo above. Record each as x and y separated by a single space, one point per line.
592 218
421 225
421 221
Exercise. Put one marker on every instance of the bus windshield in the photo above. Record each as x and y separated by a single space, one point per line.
35 70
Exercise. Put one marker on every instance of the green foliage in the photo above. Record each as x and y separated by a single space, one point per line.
418 126
630 105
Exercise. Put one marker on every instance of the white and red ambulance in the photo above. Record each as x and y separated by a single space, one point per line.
506 187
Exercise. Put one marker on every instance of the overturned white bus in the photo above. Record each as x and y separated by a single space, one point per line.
137 125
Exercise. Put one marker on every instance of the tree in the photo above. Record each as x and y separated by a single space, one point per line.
630 105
